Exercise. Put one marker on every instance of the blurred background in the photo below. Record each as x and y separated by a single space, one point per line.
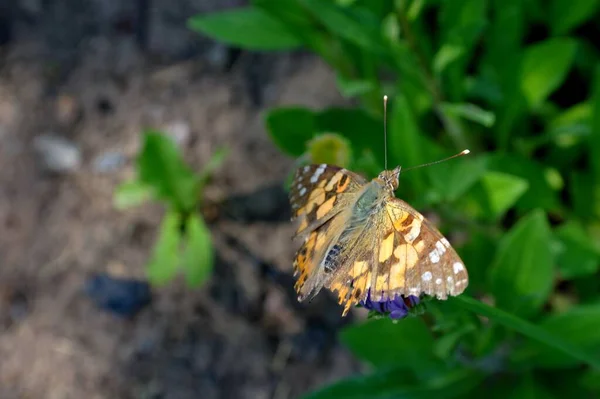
145 152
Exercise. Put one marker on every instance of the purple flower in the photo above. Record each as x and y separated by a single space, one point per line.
396 308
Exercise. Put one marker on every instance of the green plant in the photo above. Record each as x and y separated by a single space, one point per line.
184 241
508 80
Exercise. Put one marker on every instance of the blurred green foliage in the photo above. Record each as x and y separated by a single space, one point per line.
518 83
184 241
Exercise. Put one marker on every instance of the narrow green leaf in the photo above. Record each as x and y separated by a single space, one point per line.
503 191
568 14
382 342
130 194
356 25
522 273
594 146
291 129
577 256
162 267
527 329
353 87
198 253
578 326
212 165
445 56
545 66
248 28
161 166
470 112
395 383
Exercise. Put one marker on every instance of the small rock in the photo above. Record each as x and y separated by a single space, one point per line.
109 162
57 154
217 56
179 131
122 297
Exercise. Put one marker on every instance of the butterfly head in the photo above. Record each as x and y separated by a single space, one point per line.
390 178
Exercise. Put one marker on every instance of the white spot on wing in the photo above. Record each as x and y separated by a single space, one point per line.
415 230
445 242
438 281
450 280
440 247
303 191
427 276
458 267
306 169
434 256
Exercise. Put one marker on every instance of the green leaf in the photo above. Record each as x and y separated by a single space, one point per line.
198 253
248 28
404 142
464 173
161 166
503 191
291 129
353 87
382 342
577 257
162 267
540 193
356 25
130 194
396 383
470 112
585 194
545 67
594 146
528 329
529 388
445 56
568 14
522 273
213 164
578 326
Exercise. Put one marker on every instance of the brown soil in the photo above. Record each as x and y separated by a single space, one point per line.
240 336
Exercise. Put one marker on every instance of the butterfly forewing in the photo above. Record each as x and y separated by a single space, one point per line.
426 259
319 192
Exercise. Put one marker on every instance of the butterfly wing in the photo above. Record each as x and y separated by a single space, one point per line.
319 192
397 252
318 196
422 260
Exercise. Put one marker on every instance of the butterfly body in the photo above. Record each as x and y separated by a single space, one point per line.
358 239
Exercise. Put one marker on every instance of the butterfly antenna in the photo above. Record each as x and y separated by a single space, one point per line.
385 98
460 154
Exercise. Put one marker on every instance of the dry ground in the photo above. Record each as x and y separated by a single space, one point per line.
238 337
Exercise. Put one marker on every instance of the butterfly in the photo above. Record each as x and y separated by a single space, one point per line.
358 239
